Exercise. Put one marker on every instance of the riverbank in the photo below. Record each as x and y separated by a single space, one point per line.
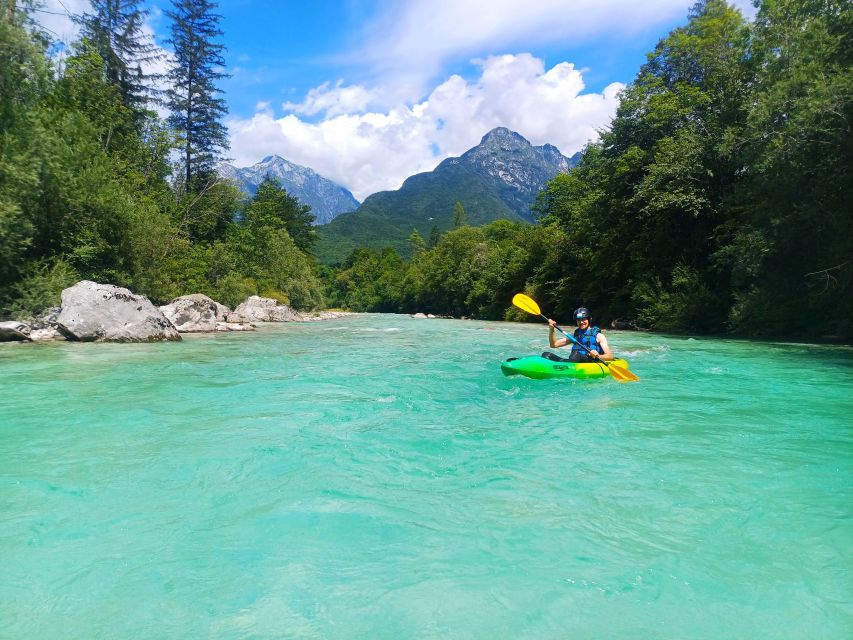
95 312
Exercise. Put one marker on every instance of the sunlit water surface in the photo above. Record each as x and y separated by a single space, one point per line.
377 477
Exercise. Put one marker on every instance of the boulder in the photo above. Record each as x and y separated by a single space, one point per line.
13 330
191 314
234 326
106 313
624 325
48 333
221 309
46 319
324 315
260 309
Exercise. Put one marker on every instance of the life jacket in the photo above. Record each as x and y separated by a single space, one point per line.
587 339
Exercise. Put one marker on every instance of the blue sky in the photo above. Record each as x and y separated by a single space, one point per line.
368 92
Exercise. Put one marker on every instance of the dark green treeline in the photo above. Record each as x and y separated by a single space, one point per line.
86 172
719 200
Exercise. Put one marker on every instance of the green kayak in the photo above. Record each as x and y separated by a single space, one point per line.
539 367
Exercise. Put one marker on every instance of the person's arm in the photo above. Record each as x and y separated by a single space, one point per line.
553 340
604 353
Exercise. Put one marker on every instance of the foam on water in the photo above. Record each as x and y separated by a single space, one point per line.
378 477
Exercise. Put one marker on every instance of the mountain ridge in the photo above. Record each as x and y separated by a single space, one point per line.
326 198
497 179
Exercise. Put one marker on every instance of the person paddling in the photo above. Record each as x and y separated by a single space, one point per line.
587 335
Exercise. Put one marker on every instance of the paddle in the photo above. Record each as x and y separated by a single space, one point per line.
528 304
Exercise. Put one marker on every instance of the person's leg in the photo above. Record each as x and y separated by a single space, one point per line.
553 356
577 356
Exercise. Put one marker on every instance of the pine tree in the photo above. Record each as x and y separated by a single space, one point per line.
196 109
115 29
434 237
416 242
460 219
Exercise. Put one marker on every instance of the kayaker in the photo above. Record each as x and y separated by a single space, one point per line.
589 336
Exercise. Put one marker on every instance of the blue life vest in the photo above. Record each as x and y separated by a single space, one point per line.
587 339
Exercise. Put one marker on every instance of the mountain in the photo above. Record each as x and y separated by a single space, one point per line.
499 178
326 199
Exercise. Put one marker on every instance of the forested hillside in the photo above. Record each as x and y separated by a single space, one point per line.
496 180
87 189
718 200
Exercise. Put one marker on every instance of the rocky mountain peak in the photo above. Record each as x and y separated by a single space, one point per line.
503 138
326 199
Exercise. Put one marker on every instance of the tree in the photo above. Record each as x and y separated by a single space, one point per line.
196 109
416 242
644 207
24 81
790 250
273 206
115 29
459 217
434 237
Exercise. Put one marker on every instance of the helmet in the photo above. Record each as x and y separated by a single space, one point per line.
582 313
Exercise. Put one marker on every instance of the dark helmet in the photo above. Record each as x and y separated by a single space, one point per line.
582 314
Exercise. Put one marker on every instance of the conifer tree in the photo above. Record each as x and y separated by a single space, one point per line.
193 99
115 29
434 237
460 219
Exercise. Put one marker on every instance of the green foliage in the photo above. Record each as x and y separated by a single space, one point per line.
472 271
193 98
434 237
718 199
233 288
424 202
416 242
687 304
114 29
207 215
273 207
459 217
40 288
84 189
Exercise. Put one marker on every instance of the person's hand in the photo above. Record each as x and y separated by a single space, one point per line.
552 323
594 353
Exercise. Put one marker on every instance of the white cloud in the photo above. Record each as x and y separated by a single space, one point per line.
411 41
332 101
376 151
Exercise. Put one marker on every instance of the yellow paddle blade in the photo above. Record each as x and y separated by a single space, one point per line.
526 303
622 374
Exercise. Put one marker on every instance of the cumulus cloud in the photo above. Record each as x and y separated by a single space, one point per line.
333 101
411 41
377 150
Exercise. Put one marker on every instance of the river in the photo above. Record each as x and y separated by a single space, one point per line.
376 476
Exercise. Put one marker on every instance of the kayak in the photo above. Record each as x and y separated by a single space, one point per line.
539 368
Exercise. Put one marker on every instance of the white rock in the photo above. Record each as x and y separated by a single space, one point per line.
106 313
192 313
234 326
48 333
13 330
265 310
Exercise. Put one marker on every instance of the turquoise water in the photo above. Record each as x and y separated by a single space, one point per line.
377 477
